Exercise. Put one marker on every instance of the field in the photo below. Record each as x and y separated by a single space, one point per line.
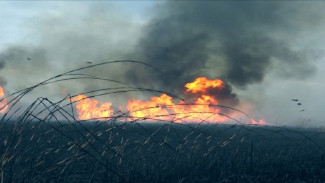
45 142
141 152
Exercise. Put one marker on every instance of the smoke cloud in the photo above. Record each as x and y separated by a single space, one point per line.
239 42
242 43
2 80
23 66
66 38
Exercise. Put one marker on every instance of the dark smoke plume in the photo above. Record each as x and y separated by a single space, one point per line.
224 95
2 81
234 41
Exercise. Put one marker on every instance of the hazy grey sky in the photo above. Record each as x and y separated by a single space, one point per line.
269 52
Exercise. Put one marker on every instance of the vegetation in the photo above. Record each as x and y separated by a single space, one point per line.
45 142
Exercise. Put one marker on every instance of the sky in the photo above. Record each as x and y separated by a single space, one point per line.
268 53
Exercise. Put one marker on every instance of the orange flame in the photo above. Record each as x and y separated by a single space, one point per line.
201 84
163 107
260 122
201 108
155 108
88 108
3 102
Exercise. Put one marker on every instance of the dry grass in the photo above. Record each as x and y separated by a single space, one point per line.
45 142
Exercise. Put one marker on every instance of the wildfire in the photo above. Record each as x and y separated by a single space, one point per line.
89 109
3 102
197 110
156 108
201 84
163 108
260 122
200 107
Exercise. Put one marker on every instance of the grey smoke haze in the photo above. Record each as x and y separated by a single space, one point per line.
67 39
235 41
262 50
18 57
2 81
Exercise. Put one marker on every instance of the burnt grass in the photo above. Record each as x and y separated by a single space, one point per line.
160 152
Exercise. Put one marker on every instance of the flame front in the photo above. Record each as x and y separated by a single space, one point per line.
89 109
200 107
198 110
3 102
156 108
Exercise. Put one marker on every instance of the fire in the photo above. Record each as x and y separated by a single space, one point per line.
260 122
155 108
163 107
201 84
89 109
200 107
159 109
3 102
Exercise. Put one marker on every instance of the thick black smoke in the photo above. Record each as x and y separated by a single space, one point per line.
236 41
224 95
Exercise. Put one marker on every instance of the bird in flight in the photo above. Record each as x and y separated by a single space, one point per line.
29 58
296 100
302 110
299 103
89 62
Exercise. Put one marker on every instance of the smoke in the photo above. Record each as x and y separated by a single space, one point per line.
24 66
239 42
2 65
224 95
2 80
242 43
65 38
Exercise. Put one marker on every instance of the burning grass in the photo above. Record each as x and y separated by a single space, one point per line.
148 140
200 106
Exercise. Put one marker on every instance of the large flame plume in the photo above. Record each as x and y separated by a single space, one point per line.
198 109
3 102
200 106
201 84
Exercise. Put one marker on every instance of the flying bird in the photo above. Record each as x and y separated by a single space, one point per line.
299 103
89 62
29 58
296 100
302 110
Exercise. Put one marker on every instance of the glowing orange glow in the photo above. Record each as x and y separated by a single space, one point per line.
63 91
200 107
201 110
260 122
89 109
201 84
163 107
155 108
2 94
3 102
